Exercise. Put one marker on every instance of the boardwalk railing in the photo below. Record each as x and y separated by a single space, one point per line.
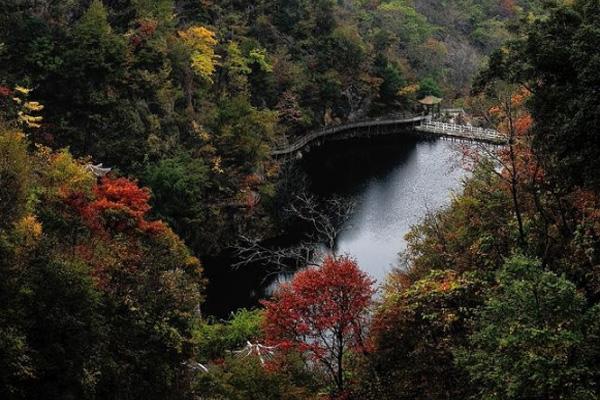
420 123
462 131
396 119
444 111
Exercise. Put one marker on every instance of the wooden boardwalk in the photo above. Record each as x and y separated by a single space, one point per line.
390 125
465 132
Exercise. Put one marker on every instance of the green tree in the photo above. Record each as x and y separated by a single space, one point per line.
558 60
64 328
243 376
428 87
14 177
244 379
414 333
535 338
392 82
179 190
15 187
214 340
94 63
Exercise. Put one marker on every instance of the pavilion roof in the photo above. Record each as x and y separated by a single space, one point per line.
430 100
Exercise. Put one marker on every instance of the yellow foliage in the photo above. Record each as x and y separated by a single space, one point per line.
200 131
23 90
29 229
24 115
15 176
33 106
201 42
63 174
216 165
408 90
29 120
259 56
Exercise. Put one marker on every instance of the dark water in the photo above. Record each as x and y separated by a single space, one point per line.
395 183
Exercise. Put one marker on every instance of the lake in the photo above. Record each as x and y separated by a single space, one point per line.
395 181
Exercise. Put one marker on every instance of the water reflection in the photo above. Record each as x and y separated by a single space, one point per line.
395 183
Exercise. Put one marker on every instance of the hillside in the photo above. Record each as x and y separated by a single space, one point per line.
190 96
135 162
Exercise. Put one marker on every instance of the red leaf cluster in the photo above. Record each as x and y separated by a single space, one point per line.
322 312
145 30
523 124
5 91
118 205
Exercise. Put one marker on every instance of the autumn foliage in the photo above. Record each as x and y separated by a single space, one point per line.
201 42
322 313
120 204
105 285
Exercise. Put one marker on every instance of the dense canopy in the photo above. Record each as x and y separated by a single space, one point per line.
136 170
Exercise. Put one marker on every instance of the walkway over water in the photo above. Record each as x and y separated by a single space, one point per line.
390 125
467 132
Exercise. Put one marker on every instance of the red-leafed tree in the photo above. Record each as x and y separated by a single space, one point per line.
322 313
120 204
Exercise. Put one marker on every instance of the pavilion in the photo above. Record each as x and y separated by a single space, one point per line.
430 103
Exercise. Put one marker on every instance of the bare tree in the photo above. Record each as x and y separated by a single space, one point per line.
250 250
326 219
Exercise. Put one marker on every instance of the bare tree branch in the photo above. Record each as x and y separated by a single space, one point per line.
326 219
251 251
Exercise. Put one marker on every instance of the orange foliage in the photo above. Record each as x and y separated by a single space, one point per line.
145 30
253 180
520 97
515 122
118 205
523 124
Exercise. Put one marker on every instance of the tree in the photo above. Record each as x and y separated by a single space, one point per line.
246 378
518 165
93 60
64 328
234 374
414 333
535 338
428 87
214 340
326 220
98 300
15 187
179 193
14 177
557 59
473 234
392 83
201 42
322 313
119 205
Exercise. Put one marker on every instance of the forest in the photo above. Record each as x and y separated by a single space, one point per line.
136 141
